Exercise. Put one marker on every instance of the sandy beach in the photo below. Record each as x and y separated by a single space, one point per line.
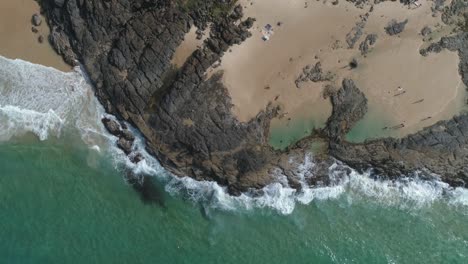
258 72
18 40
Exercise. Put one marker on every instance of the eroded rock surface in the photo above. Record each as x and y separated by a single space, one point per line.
126 48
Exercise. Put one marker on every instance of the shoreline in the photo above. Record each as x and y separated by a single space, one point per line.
188 121
18 39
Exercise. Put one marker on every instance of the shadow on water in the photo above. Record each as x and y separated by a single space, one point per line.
150 191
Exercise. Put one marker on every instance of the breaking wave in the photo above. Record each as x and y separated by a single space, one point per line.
47 102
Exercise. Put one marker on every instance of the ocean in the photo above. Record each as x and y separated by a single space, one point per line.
63 199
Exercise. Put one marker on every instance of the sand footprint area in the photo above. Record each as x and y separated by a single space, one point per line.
404 87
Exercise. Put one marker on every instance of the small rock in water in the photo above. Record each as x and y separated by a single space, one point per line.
36 20
34 30
128 135
125 145
40 39
112 126
136 158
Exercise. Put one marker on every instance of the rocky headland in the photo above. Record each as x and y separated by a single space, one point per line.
126 46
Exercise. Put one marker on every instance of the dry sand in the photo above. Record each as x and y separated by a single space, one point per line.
17 39
396 62
258 72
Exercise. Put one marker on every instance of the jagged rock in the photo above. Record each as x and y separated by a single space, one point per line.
127 134
353 64
112 126
136 158
394 27
126 48
125 145
313 74
349 106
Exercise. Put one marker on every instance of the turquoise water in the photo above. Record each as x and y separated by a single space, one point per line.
58 207
63 199
370 127
282 136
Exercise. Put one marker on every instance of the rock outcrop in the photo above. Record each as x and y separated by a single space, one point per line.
313 74
394 27
349 106
126 48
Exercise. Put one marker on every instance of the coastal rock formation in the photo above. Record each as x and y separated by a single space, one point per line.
126 48
349 106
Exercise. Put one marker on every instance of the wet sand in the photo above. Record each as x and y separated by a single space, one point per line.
258 72
17 39
188 46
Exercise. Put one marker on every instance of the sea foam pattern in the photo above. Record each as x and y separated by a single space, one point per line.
45 101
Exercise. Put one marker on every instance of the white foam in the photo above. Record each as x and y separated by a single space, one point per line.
15 121
45 101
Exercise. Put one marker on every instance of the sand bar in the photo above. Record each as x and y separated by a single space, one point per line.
18 40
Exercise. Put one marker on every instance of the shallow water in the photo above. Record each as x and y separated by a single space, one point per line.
63 199
56 208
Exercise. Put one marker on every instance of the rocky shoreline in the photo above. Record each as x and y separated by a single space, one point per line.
126 47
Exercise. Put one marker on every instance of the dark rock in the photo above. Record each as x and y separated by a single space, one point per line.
313 74
353 64
136 158
426 31
126 50
36 20
394 27
40 39
112 126
34 30
349 106
128 135
125 145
